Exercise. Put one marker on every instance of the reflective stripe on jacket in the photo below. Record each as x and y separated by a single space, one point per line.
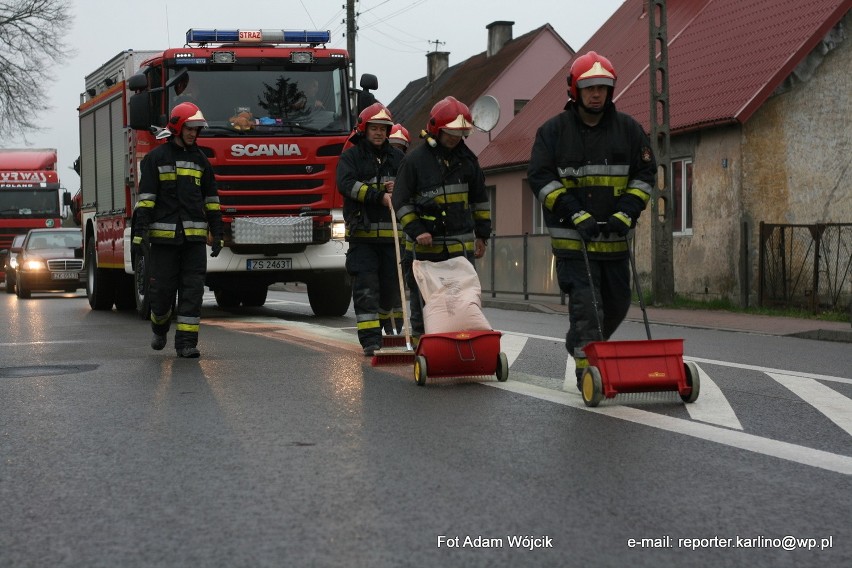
604 169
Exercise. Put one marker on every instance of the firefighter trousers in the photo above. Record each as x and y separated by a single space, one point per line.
177 269
611 280
375 290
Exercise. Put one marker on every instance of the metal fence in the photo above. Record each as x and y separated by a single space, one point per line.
806 266
519 265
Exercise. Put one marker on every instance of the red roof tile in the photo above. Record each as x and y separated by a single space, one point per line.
726 57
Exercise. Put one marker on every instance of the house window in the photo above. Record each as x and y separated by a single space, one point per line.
520 104
682 192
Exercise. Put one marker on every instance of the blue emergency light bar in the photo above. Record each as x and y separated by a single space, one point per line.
257 36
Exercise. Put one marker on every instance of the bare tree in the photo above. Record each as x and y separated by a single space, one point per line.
32 34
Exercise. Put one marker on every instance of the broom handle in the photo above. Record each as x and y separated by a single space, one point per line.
399 277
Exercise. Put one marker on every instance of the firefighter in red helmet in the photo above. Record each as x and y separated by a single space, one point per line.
592 169
440 197
178 206
365 177
399 138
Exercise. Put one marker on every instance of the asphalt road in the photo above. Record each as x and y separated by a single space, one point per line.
282 446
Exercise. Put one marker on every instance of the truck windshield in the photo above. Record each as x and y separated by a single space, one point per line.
267 102
29 203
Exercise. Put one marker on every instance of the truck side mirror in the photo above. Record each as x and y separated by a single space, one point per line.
139 113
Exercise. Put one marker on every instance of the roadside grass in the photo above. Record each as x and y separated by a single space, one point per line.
723 304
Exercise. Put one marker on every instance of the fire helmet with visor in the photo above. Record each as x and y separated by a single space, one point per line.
185 114
451 115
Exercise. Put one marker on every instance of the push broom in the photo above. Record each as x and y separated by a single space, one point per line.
397 355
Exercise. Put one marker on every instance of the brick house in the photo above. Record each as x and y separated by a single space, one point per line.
761 129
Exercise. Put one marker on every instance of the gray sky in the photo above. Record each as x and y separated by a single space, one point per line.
392 41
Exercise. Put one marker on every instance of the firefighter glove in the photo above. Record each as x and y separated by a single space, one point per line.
140 239
216 247
619 224
586 225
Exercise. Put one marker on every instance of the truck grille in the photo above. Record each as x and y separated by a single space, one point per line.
65 264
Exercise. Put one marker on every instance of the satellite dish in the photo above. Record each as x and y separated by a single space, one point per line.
485 112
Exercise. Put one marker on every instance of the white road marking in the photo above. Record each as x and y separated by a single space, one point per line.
831 403
742 440
512 344
712 406
570 382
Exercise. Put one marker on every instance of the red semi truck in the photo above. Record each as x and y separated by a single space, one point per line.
279 108
30 194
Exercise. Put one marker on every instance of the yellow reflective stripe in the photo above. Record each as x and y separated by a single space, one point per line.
162 234
372 324
160 320
550 201
376 234
581 362
482 215
640 194
193 173
195 232
167 176
190 327
146 204
593 246
212 206
406 219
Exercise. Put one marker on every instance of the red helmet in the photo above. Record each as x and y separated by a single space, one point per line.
376 113
399 135
588 70
451 115
185 114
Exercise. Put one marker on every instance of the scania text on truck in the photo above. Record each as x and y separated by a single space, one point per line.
30 194
279 108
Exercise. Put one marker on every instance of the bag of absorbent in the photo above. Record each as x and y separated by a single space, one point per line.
452 296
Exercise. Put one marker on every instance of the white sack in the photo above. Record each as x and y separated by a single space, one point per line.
452 295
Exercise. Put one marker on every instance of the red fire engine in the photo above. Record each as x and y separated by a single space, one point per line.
30 195
279 109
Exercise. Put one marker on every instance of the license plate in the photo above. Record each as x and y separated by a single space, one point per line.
65 275
269 264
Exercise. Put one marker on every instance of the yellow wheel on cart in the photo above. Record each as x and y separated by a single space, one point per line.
592 386
420 370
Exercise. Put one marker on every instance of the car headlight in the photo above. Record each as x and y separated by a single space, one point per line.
338 230
13 262
34 264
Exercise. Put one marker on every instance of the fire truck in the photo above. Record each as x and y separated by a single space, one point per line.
30 194
279 108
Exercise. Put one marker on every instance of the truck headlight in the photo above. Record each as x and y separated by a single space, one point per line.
338 230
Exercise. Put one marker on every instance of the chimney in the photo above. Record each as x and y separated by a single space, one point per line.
499 34
436 63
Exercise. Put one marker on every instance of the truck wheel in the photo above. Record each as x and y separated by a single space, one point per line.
125 292
254 297
140 285
330 296
100 283
226 298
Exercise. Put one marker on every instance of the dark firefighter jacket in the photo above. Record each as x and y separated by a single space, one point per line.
442 192
177 193
604 169
360 173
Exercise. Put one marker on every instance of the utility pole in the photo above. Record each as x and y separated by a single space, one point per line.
662 200
351 28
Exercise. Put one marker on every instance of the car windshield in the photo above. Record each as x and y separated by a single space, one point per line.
274 101
54 240
29 202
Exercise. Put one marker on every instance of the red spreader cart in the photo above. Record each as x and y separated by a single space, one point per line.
617 367
460 354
